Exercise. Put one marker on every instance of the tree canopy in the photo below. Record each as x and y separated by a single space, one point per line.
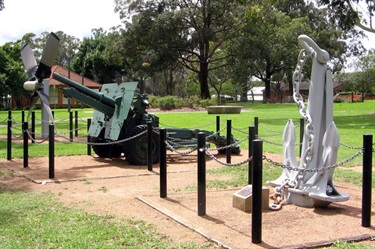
190 32
349 13
198 47
11 74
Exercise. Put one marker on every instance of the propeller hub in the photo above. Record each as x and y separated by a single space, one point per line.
32 85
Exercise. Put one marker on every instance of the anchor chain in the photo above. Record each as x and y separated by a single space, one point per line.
307 156
297 79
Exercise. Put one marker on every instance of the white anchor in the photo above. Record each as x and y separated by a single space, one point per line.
310 184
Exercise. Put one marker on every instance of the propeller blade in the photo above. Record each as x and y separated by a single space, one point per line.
49 56
29 61
45 102
33 99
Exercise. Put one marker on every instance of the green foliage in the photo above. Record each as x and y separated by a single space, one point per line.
92 60
181 31
192 101
170 102
206 102
348 14
351 97
173 102
12 74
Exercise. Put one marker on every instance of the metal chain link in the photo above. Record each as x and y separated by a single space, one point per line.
235 144
4 121
270 130
29 134
196 128
227 164
104 143
190 149
322 169
297 79
241 130
350 147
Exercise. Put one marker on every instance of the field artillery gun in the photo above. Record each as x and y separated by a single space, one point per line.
120 120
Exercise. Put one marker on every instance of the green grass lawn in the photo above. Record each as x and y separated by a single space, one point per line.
30 220
353 120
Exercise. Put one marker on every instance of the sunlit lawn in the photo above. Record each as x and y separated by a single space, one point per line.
353 120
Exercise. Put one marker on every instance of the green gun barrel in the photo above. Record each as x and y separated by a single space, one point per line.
85 90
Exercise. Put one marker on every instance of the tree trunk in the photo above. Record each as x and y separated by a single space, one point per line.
203 80
169 81
141 86
267 84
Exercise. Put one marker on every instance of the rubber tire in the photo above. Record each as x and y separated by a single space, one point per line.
105 151
135 150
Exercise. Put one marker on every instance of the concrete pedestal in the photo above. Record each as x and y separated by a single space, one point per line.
243 199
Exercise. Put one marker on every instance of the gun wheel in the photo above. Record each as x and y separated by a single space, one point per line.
136 149
105 151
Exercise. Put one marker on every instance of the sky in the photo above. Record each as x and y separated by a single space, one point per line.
74 17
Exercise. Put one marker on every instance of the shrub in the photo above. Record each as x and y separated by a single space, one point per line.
192 101
170 102
153 100
206 102
340 100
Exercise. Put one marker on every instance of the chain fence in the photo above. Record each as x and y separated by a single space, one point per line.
177 145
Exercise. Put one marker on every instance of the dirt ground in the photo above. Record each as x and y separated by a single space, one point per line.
112 186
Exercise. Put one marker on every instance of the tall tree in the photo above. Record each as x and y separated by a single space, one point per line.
92 61
12 73
2 6
67 49
268 44
365 75
194 30
349 13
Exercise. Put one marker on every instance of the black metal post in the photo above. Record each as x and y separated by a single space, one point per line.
201 174
25 144
9 137
229 140
149 146
88 137
71 126
163 164
218 125
256 217
76 123
33 127
51 151
23 116
256 124
250 163
367 180
301 134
